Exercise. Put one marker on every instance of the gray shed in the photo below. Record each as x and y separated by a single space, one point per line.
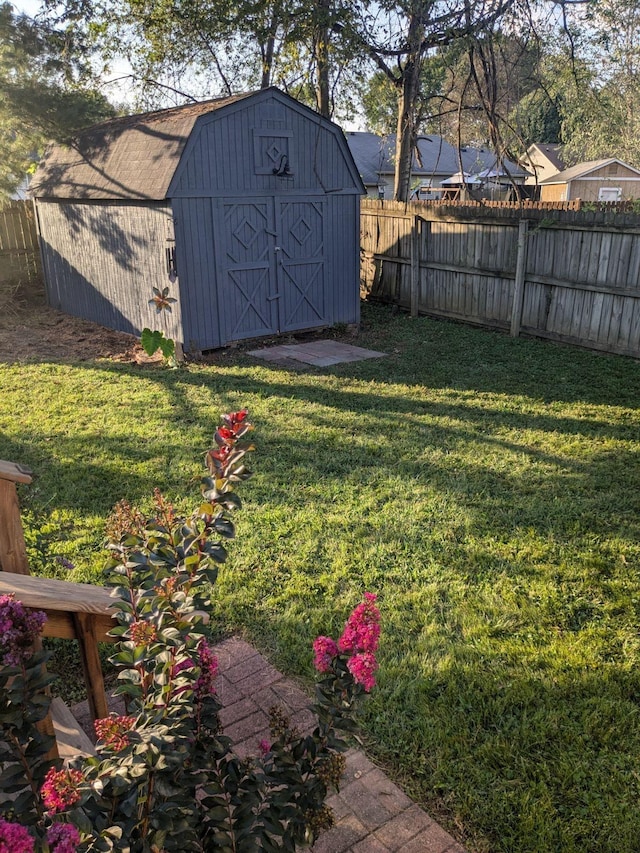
246 208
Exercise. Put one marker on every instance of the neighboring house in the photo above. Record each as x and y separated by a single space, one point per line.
434 163
542 160
244 210
597 180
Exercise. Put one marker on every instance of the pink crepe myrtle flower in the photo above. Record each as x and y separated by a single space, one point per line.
113 731
208 670
325 649
63 838
264 746
15 838
362 666
362 631
19 628
60 789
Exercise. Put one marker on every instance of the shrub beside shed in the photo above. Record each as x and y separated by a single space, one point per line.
246 208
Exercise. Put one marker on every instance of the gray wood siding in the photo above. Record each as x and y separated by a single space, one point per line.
342 237
256 253
102 261
221 156
235 285
195 256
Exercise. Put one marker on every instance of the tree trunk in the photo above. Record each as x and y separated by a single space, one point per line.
407 105
322 58
269 48
267 62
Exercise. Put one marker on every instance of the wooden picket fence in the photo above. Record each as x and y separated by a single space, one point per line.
19 252
558 273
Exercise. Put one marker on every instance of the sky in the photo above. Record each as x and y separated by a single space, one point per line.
120 92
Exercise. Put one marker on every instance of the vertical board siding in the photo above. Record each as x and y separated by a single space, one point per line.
256 253
102 262
236 286
197 276
221 159
19 252
582 274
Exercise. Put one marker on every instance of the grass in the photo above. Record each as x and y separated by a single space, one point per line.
488 490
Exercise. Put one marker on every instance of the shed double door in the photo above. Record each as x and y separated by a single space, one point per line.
270 266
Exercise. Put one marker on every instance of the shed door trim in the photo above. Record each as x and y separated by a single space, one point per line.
271 265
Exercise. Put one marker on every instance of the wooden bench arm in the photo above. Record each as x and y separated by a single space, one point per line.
60 600
14 472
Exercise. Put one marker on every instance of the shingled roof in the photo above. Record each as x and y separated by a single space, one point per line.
434 158
580 170
133 157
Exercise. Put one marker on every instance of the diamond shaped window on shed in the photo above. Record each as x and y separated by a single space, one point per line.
272 151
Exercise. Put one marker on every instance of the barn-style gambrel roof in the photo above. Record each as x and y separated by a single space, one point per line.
132 157
136 158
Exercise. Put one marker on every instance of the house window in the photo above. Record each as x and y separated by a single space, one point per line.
610 194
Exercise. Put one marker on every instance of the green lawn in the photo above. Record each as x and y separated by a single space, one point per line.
487 488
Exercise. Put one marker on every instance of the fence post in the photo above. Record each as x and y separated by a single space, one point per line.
415 266
518 288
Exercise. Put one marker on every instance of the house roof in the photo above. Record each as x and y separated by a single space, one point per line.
371 153
461 178
132 157
435 157
581 170
552 151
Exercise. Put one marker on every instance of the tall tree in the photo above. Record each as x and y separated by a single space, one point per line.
400 42
208 48
380 98
602 106
46 93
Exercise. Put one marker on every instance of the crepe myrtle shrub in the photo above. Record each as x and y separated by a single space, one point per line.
24 744
165 777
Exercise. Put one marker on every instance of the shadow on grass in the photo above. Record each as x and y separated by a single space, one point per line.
562 495
509 693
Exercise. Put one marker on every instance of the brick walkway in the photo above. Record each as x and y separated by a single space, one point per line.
372 814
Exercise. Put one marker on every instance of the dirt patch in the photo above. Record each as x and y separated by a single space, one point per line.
32 331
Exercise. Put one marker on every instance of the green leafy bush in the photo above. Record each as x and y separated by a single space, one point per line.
165 777
152 341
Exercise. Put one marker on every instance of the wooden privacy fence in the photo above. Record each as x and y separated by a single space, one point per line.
566 275
19 252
